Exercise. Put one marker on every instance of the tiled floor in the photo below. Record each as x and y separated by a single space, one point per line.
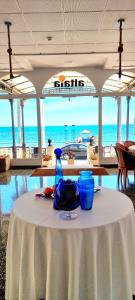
16 182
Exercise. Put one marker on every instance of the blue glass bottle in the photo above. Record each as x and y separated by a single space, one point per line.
58 174
86 189
58 168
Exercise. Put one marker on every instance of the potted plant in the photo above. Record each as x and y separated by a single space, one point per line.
71 157
47 159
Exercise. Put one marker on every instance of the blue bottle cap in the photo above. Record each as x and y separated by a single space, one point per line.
58 152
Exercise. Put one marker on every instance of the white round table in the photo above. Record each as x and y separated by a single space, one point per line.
89 258
132 149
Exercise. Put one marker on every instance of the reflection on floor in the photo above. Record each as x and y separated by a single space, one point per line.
16 182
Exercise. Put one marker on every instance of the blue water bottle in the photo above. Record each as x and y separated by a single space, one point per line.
58 175
86 189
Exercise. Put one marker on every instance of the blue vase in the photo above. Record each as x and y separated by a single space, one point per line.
86 189
58 174
58 168
66 195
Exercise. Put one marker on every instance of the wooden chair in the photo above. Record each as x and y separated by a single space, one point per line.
4 163
128 143
126 162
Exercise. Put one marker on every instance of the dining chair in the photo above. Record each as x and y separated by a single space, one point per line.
126 162
121 164
128 143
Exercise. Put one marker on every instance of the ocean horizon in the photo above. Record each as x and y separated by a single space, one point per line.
64 134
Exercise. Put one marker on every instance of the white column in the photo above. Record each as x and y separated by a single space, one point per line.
19 122
100 152
23 129
127 120
23 134
13 127
118 118
42 121
39 127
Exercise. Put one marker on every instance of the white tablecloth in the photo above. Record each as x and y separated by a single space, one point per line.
89 258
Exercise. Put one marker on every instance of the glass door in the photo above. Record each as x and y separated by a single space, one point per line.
109 129
72 120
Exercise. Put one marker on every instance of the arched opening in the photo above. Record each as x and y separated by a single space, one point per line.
69 82
71 114
116 84
18 128
118 124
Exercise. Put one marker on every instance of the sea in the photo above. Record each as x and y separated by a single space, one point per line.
60 135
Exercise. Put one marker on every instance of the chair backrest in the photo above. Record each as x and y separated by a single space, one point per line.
128 143
118 148
125 159
122 146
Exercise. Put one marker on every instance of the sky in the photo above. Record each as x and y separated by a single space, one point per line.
68 111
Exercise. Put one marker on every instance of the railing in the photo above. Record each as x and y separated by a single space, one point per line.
109 151
27 152
32 152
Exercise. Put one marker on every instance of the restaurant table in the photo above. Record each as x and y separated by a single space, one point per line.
132 149
70 170
89 258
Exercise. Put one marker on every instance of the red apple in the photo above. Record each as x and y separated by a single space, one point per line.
48 191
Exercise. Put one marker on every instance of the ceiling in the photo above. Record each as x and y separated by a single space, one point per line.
66 33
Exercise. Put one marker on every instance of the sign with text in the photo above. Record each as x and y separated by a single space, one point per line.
68 83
